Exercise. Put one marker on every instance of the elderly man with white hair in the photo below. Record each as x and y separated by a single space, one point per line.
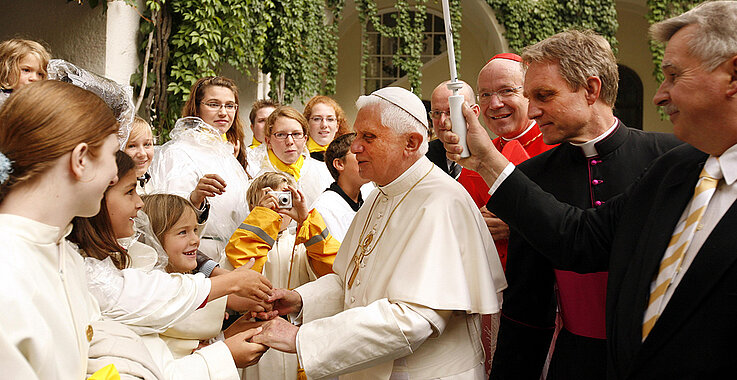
412 276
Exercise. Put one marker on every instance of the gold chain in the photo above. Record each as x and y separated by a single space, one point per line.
365 242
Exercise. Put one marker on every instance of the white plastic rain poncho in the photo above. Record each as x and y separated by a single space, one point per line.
196 149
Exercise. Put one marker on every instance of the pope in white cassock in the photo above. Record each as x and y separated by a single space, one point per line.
414 273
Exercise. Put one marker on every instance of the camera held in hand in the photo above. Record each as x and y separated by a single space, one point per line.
283 198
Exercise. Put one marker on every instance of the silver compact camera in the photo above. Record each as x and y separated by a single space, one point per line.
283 198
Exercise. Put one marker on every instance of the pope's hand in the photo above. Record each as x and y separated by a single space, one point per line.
279 335
283 302
245 352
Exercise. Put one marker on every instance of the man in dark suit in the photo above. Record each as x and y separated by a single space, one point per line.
598 157
694 330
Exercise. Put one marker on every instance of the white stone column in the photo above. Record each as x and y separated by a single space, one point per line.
121 48
263 85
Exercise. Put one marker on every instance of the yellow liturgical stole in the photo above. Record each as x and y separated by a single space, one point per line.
255 143
312 146
292 169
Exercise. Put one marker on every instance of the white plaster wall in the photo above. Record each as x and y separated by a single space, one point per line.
248 92
72 31
121 45
634 53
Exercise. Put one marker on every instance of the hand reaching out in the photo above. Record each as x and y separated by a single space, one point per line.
245 352
242 324
283 302
209 185
246 283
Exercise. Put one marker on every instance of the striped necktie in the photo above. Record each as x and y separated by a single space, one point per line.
670 265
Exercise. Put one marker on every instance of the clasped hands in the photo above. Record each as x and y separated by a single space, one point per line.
273 331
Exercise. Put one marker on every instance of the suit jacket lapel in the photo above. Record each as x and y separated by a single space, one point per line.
714 258
633 290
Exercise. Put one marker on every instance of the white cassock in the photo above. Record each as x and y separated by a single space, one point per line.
46 306
280 264
414 309
314 176
180 163
172 349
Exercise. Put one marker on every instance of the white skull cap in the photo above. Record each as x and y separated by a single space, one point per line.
405 100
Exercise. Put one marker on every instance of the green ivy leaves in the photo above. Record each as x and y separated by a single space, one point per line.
529 21
409 27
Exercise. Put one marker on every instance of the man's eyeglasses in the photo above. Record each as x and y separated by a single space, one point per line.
318 120
436 115
283 136
504 93
215 106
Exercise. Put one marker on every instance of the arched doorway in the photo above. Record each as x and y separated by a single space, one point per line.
628 107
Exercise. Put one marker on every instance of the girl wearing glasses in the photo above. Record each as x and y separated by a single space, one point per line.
205 162
326 120
286 136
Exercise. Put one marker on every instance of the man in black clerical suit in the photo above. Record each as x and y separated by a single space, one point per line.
598 157
693 336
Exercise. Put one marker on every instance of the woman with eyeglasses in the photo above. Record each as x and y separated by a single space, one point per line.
205 162
326 121
286 134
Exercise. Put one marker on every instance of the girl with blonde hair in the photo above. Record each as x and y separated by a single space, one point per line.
21 62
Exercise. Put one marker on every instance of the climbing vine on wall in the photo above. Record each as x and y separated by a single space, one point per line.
301 52
408 29
659 10
529 21
296 41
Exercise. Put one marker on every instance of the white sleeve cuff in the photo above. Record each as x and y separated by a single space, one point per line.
505 173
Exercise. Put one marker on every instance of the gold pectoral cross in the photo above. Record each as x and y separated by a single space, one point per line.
358 258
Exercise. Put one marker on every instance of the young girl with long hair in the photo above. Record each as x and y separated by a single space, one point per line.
57 145
21 62
326 121
198 150
99 237
140 146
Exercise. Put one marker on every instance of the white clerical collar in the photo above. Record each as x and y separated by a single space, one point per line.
728 164
589 147
532 124
408 178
